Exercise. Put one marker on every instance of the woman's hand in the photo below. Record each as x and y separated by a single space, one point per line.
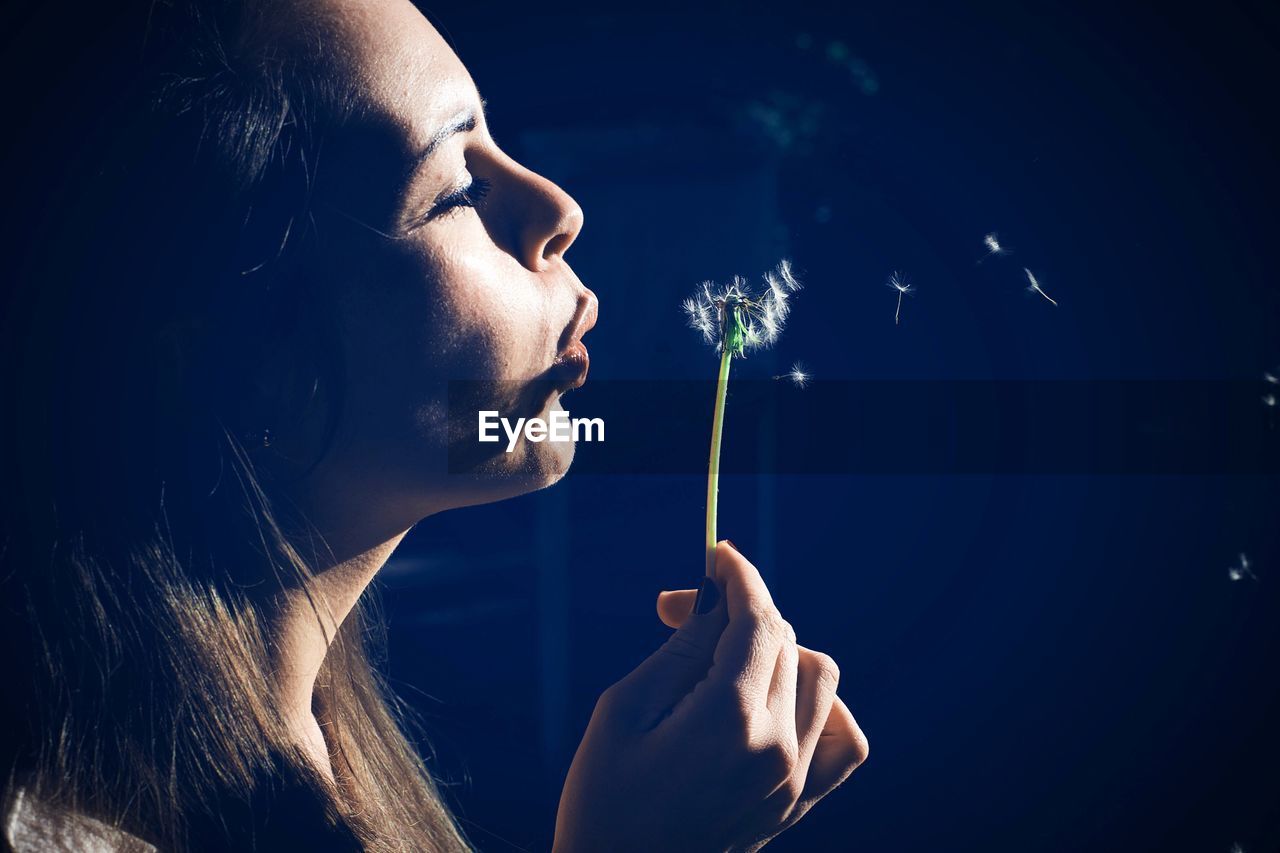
720 740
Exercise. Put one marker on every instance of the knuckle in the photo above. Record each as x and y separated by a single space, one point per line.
828 671
777 761
766 621
859 748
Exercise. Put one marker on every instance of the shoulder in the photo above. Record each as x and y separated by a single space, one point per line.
31 826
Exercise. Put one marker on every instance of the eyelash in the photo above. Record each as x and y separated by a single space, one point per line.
468 196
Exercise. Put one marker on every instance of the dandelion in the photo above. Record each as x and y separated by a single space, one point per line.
734 319
1241 571
898 283
992 242
796 374
1035 286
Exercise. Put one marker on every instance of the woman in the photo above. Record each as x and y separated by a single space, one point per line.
284 231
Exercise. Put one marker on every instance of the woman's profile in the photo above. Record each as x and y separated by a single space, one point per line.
281 232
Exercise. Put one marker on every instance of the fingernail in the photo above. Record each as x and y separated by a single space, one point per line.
708 597
729 542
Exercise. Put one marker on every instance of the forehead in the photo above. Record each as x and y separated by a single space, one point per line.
397 77
389 60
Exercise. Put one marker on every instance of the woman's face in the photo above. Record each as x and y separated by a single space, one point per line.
444 258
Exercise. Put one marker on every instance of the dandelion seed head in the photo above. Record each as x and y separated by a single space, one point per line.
898 283
733 315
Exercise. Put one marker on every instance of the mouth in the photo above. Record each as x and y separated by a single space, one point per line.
569 370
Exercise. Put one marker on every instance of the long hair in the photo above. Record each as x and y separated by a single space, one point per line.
164 259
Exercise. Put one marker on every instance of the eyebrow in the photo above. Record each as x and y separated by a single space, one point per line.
463 122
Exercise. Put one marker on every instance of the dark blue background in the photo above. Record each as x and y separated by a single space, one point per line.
1040 662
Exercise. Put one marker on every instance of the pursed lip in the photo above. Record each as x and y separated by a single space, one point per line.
583 320
571 365
570 368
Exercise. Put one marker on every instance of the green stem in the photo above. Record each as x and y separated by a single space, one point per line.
713 468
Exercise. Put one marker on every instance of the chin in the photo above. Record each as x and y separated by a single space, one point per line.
536 465
498 475
528 468
543 463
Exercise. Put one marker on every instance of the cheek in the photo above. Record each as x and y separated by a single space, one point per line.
489 320
428 316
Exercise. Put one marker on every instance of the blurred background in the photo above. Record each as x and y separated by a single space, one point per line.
1050 649
1054 659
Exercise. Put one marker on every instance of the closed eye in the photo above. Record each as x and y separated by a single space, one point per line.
468 196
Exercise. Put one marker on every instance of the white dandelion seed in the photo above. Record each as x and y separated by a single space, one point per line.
1269 400
1241 571
1270 378
734 315
796 374
1035 286
700 318
1237 848
898 283
992 242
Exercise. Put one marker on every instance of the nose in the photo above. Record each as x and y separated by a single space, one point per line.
548 221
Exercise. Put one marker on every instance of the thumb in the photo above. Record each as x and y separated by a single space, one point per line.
661 680
674 606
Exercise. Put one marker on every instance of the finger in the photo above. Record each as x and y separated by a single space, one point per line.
651 690
781 701
746 655
675 605
841 748
816 678
740 580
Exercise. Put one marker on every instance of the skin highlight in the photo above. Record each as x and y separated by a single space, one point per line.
479 293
